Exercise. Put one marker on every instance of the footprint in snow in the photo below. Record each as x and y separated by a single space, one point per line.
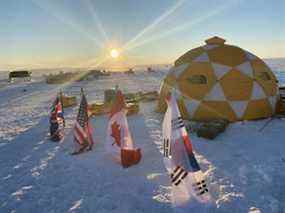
18 166
7 177
44 162
41 142
26 158
20 193
76 205
254 210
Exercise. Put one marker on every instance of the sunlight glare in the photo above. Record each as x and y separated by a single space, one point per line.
114 53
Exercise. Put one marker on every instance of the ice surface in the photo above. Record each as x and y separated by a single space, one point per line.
245 167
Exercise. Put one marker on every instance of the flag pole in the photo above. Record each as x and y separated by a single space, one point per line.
61 102
81 91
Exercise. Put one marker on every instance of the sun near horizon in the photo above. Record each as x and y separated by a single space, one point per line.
114 53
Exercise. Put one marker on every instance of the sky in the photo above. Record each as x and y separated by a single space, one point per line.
81 33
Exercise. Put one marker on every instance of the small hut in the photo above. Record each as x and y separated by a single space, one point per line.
23 74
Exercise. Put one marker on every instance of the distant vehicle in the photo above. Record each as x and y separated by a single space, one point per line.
105 73
130 72
61 77
24 74
97 73
149 69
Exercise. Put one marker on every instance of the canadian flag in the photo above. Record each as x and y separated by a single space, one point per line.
119 141
189 187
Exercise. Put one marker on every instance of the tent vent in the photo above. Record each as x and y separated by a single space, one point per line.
215 40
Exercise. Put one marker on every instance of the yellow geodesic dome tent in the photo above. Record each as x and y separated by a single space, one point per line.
221 81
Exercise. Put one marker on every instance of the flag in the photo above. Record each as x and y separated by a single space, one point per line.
56 120
189 187
82 128
119 141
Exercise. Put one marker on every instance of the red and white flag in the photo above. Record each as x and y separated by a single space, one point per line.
82 128
189 187
119 141
57 121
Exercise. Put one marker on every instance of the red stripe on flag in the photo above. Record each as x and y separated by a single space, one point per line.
80 130
187 144
89 133
79 133
77 138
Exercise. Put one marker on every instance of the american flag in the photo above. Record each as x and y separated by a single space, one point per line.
82 128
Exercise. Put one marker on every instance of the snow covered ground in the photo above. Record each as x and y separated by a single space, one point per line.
245 166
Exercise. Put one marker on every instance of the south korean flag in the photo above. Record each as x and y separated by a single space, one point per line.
189 186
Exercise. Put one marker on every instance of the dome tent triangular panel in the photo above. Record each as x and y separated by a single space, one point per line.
257 109
191 106
202 58
257 92
245 68
230 83
176 71
239 107
265 77
220 70
193 80
227 55
236 86
216 94
209 110
189 56
250 56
